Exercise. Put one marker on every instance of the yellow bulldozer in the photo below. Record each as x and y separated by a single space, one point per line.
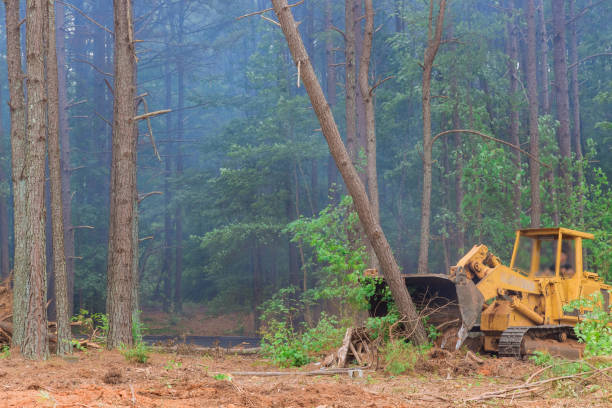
511 310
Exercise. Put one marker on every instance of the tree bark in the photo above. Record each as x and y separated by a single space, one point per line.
178 217
123 183
168 231
543 42
35 334
65 156
532 94
561 85
575 97
332 172
349 174
59 257
512 44
433 43
350 84
5 267
18 157
368 101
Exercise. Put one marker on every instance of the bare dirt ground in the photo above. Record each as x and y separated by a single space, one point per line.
105 379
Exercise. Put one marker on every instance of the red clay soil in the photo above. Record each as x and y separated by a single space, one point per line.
106 379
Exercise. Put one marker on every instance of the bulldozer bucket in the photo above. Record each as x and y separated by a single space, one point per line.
452 304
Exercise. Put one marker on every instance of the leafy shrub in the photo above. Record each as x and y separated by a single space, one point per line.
400 356
558 366
93 325
139 353
593 329
287 347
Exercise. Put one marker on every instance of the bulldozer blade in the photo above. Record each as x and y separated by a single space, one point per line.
470 302
450 301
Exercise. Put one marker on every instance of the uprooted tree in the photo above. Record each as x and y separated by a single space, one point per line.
355 187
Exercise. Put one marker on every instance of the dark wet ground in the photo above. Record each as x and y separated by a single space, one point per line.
205 341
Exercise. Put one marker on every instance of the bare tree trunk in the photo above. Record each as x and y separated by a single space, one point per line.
561 85
534 137
349 174
64 136
123 183
18 160
59 257
368 101
35 334
543 41
433 43
332 172
178 217
514 108
575 99
5 267
167 252
350 84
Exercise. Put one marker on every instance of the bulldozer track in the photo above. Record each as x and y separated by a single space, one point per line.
511 340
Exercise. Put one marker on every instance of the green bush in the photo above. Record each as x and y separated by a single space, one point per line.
400 356
287 347
139 353
593 329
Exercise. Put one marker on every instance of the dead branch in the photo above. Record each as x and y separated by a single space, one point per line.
379 83
81 12
256 13
110 87
94 67
340 31
588 58
151 137
151 114
104 119
332 371
71 104
81 227
475 132
143 196
271 21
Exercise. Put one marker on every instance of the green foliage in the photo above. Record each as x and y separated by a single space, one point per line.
5 352
338 259
222 377
171 365
139 353
287 347
93 325
594 328
380 326
400 356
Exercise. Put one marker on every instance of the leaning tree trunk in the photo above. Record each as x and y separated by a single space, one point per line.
18 156
34 345
433 43
123 182
332 176
349 174
59 257
532 94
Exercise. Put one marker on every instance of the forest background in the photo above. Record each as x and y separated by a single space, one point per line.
241 156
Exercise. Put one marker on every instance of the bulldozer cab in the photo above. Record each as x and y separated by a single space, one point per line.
549 253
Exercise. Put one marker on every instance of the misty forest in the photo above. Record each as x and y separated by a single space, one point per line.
274 170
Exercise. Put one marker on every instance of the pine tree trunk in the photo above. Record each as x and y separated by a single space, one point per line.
543 42
433 43
35 334
349 174
123 183
18 160
332 172
350 83
534 137
65 156
573 57
168 231
178 217
59 257
561 85
512 44
5 268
